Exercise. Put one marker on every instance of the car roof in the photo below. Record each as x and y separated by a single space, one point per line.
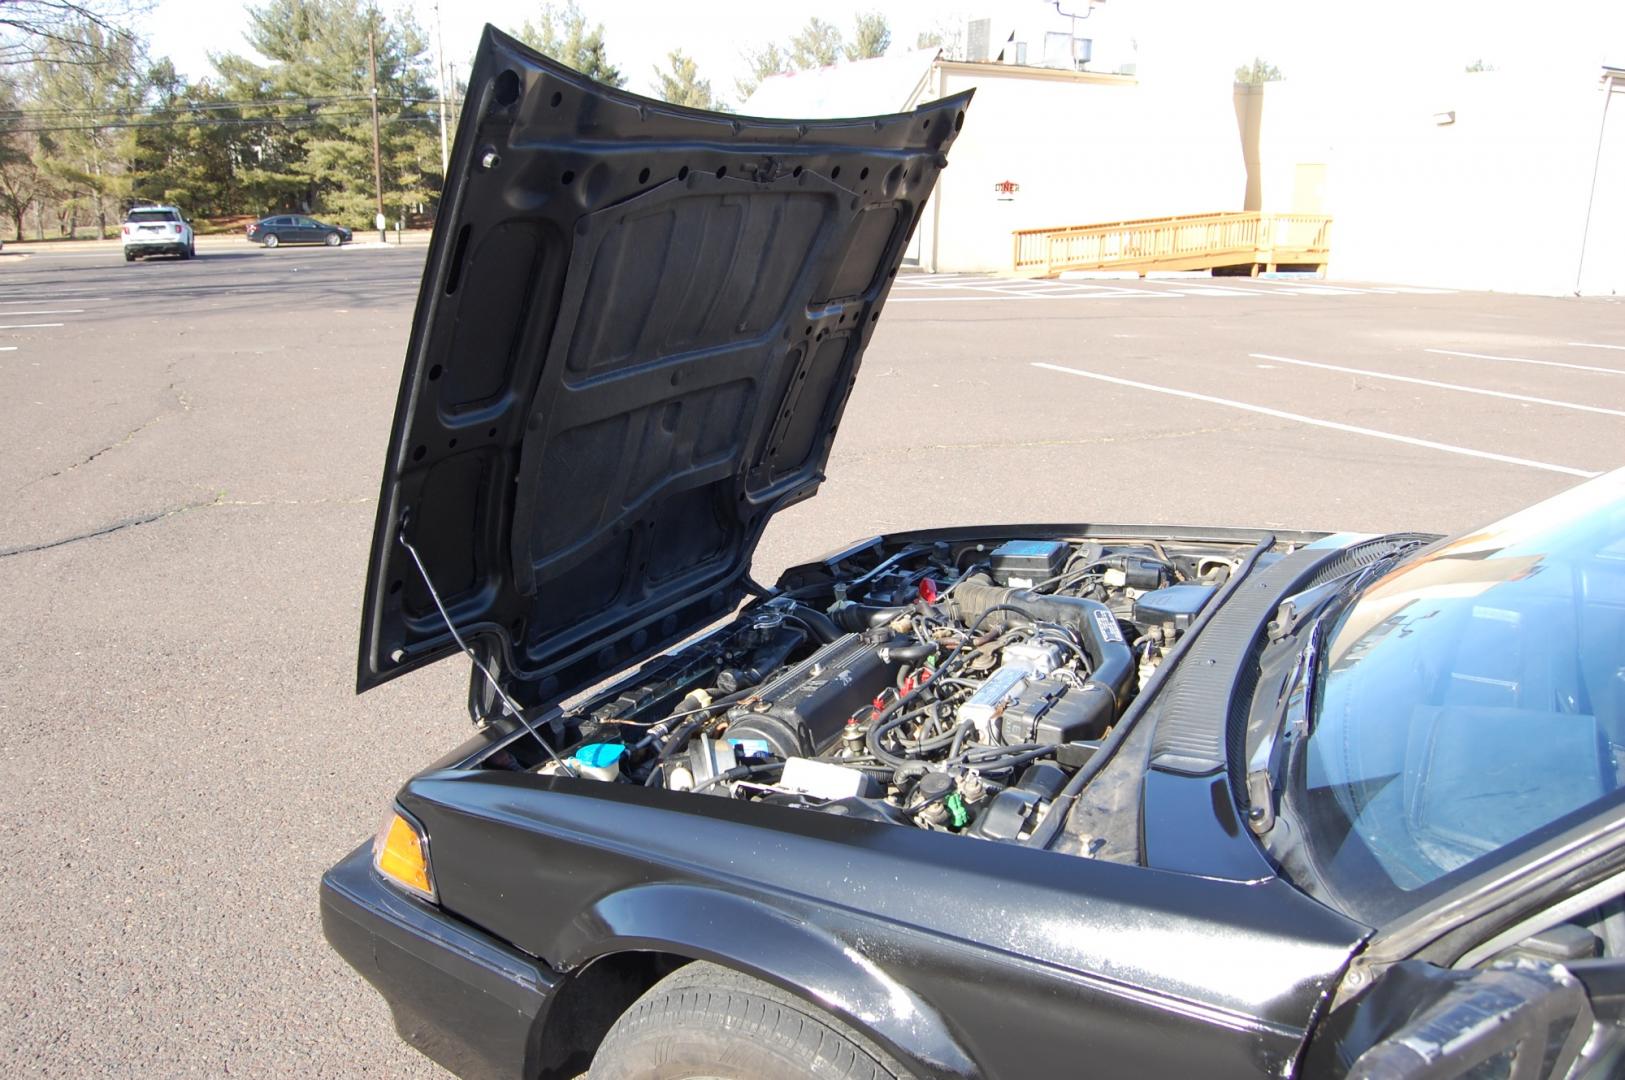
135 209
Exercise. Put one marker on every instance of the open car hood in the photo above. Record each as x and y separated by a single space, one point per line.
637 331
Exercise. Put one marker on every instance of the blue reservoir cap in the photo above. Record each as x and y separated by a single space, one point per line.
600 755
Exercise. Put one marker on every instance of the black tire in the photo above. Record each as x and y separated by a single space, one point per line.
185 253
707 1021
270 240
191 250
129 256
333 240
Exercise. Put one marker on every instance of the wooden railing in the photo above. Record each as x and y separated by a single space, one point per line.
1187 242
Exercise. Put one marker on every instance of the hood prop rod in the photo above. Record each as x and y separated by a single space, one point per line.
511 705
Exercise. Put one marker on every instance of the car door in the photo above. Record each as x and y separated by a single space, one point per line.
310 231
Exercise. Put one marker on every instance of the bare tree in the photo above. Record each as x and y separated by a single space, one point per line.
88 29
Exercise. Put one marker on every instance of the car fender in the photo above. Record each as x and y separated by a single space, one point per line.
709 924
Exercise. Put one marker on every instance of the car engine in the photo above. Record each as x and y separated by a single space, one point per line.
947 686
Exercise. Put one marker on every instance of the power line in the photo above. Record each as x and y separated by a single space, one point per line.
286 122
216 106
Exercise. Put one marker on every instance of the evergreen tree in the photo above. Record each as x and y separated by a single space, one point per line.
680 83
562 33
183 150
768 60
1260 71
308 140
95 82
818 44
871 36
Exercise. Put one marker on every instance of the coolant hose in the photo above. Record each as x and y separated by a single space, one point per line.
857 618
819 624
1110 658
911 653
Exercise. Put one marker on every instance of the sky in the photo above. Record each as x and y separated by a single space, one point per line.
1322 39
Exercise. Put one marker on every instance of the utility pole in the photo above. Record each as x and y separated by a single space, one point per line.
440 73
377 156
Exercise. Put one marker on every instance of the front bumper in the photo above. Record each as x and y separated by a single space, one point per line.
458 995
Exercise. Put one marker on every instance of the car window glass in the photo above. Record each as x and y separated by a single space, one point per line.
139 216
1466 700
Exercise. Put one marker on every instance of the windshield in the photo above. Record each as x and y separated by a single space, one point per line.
1467 699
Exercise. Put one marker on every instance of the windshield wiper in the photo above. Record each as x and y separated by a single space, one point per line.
1318 607
1268 761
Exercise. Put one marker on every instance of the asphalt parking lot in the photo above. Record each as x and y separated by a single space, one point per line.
190 454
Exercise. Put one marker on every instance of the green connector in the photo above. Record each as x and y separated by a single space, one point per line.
958 816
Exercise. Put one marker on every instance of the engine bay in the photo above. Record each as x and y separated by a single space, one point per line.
948 685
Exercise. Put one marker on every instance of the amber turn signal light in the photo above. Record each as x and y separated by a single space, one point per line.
400 853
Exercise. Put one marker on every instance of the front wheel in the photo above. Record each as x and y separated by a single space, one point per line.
705 1020
333 239
271 240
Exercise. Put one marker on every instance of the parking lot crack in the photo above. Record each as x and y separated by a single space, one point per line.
181 401
104 530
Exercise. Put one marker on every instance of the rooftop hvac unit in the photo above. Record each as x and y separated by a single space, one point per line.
978 33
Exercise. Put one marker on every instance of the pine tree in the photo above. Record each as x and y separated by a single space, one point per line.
561 32
818 44
97 80
871 36
680 82
308 143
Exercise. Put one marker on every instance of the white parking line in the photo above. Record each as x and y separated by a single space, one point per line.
985 297
1314 421
27 325
68 299
1440 385
1596 345
48 311
1318 290
1526 360
1218 290
8 348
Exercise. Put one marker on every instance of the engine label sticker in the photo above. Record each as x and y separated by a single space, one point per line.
1108 626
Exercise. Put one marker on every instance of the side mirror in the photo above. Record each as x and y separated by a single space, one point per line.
1524 1019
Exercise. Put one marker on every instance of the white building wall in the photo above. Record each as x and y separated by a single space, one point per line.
1082 152
1494 199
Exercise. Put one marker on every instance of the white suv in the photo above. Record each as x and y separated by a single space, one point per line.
157 230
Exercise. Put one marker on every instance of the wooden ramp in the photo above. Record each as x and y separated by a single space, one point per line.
1187 242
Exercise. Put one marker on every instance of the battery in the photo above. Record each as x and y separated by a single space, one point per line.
1021 564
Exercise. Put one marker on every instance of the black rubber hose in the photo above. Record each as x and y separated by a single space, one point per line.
817 622
1111 659
856 618
911 653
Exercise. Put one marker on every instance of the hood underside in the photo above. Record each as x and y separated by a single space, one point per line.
637 331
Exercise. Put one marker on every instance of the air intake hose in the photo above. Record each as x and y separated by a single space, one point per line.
1111 660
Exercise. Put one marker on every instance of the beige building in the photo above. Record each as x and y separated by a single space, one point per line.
1042 146
1511 181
